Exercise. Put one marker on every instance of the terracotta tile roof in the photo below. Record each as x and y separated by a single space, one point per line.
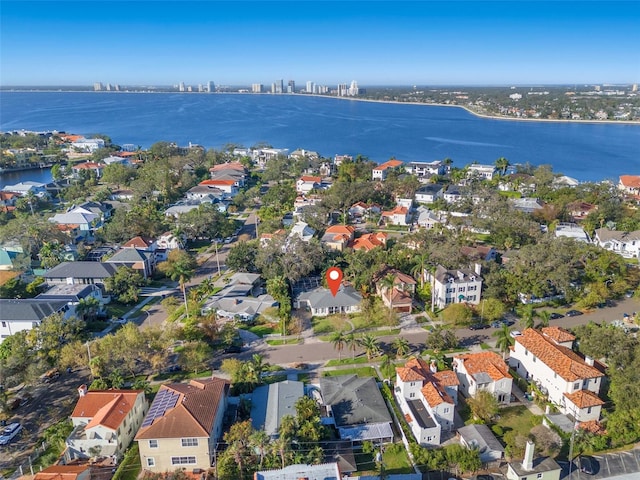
139 242
106 407
562 360
389 164
630 181
593 426
310 179
369 241
217 182
398 210
127 154
433 389
61 472
399 297
584 399
343 229
447 378
71 138
485 362
557 334
434 395
194 413
227 166
87 166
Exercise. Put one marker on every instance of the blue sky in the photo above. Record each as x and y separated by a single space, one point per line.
328 42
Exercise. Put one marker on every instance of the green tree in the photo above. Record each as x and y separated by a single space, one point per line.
401 346
194 356
338 340
180 266
352 342
242 256
491 309
483 405
502 164
370 345
125 284
503 339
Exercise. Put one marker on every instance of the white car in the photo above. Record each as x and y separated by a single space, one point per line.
9 433
515 333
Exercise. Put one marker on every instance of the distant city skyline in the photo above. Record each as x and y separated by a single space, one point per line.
324 42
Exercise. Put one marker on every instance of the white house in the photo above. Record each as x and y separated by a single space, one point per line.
626 244
303 231
380 172
24 188
398 216
424 170
429 193
322 303
571 230
455 286
427 399
104 422
306 183
229 187
27 313
486 172
630 184
427 218
572 382
88 145
483 371
541 468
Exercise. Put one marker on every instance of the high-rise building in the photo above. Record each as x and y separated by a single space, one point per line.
291 86
310 87
256 88
280 86
342 90
211 87
181 87
353 89
97 86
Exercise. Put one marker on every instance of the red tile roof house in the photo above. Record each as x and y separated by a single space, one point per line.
401 295
397 216
88 166
483 371
380 172
369 241
338 237
105 422
630 184
64 472
227 186
183 425
571 381
427 399
307 183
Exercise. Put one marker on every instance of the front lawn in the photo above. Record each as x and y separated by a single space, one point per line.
518 418
359 371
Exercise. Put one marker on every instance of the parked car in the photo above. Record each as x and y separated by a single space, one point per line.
233 349
555 316
18 402
515 333
478 326
573 313
10 432
50 375
588 465
174 368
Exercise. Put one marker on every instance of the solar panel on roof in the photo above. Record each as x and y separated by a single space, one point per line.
165 399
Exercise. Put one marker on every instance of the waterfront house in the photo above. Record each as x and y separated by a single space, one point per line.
427 399
455 286
569 380
87 145
183 425
24 188
630 184
429 193
381 171
355 406
425 170
104 422
483 371
484 172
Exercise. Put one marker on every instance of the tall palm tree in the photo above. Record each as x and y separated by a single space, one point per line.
544 317
260 441
338 339
503 341
401 346
387 284
352 343
422 261
526 317
370 345
502 164
179 266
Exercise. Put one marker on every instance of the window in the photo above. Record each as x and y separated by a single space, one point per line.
446 410
4 324
539 475
183 460
189 442
151 462
576 386
153 443
589 410
412 395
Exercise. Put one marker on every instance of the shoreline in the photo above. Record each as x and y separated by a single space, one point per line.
370 100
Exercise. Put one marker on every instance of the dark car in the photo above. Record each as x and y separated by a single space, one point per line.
233 349
174 368
588 465
478 326
573 313
555 316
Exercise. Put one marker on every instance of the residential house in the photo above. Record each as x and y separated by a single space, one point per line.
565 181
455 286
141 261
169 241
569 380
263 155
87 145
27 313
323 471
93 167
266 238
400 297
571 230
322 303
269 403
425 170
630 184
24 188
80 273
427 398
103 210
303 231
455 193
122 195
380 172
518 182
355 406
362 210
303 201
306 183
480 252
485 172
8 201
579 209
541 468
369 241
205 193
84 222
526 204
480 438
65 472
301 153
141 243
429 193
242 298
183 425
338 237
114 159
483 371
626 244
338 159
229 187
104 422
397 216
224 167
72 294
426 218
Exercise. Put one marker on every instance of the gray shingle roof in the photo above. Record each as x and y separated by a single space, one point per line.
319 298
128 254
29 310
480 436
82 270
270 403
354 400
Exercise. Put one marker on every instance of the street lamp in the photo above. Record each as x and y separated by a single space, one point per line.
215 243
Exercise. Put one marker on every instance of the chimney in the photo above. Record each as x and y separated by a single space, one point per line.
477 268
82 390
433 367
588 360
527 461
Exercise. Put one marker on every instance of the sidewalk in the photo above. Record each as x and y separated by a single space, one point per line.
533 408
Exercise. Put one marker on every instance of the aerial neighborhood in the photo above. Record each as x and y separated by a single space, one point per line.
165 313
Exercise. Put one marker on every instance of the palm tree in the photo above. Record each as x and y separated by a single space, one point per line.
544 317
502 164
87 308
179 266
260 441
527 317
370 345
422 261
401 346
338 339
503 341
352 343
387 284
386 366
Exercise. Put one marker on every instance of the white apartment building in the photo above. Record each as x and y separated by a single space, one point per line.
425 169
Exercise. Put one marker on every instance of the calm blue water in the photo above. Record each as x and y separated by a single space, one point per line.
329 126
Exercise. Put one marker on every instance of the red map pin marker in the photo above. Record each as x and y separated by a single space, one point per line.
334 279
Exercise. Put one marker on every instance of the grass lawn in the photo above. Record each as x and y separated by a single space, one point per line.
130 467
359 371
290 341
117 309
330 324
396 460
517 418
262 330
348 361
